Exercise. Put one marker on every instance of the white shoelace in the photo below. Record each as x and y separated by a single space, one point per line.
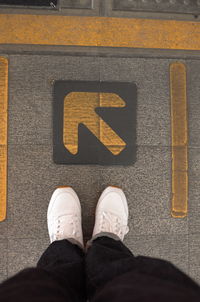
111 223
66 226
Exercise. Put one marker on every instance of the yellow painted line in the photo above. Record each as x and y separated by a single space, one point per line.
179 134
3 135
99 31
79 108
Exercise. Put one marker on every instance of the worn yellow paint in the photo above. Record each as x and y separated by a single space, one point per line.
79 108
179 134
99 31
3 135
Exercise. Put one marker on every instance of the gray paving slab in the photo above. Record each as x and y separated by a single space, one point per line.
194 256
31 92
23 253
153 107
32 77
152 77
145 225
194 190
146 183
4 229
171 247
193 92
32 178
3 259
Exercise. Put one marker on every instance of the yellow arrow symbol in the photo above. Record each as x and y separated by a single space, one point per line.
79 108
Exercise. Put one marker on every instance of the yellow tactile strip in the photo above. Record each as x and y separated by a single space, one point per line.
3 135
79 108
179 134
99 31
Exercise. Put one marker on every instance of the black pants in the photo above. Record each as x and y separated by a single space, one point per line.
107 272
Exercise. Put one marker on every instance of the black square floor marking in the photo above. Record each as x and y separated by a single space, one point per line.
94 122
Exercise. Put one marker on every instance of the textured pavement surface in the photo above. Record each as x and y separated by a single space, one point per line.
32 175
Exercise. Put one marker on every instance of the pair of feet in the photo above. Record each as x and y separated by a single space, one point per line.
64 214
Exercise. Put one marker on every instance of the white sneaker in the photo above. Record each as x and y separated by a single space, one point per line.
64 215
112 213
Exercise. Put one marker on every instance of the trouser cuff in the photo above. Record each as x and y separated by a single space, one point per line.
102 234
76 242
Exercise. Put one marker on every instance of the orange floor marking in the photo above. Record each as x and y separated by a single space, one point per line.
3 135
79 108
179 133
99 31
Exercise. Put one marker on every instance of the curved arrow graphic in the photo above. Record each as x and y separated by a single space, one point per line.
79 108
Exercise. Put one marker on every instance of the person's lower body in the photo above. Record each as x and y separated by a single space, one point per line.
60 273
114 274
108 270
110 273
58 277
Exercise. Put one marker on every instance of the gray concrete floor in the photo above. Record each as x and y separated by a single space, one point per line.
32 175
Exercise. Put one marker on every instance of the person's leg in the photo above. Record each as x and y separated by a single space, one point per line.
114 274
59 275
64 261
